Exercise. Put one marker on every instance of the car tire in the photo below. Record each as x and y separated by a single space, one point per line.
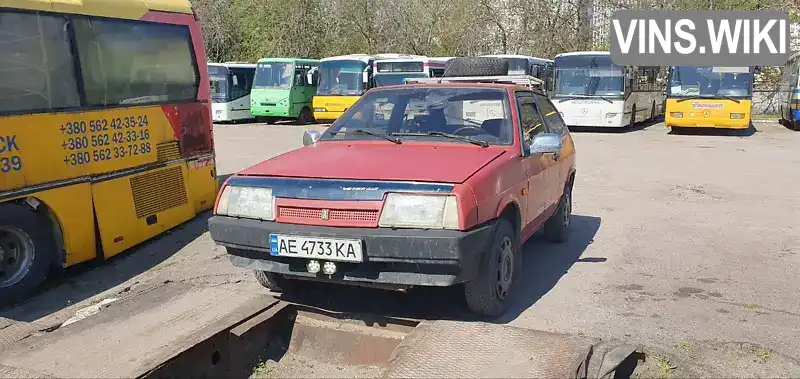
27 249
275 282
488 295
556 228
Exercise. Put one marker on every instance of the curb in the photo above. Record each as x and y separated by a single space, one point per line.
765 121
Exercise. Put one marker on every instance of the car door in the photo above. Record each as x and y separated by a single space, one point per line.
558 165
531 125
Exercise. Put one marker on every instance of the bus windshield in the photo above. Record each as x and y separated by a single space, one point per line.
588 75
218 76
396 79
273 75
686 81
341 78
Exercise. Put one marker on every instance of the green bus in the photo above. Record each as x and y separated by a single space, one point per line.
282 90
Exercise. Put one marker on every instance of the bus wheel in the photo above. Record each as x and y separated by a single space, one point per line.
633 116
306 116
26 252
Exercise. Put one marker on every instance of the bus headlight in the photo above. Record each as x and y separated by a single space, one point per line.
419 211
247 202
737 116
677 114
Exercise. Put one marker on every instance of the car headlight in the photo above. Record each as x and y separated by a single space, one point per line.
247 202
419 211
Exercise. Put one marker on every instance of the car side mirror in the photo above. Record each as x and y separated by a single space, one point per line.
311 137
546 143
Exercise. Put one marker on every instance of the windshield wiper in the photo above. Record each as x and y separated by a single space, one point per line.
379 135
478 142
695 97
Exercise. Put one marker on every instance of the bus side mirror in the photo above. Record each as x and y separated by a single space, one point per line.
365 77
310 77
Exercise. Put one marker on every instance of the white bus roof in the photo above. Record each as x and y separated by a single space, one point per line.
233 65
414 58
574 53
518 56
352 57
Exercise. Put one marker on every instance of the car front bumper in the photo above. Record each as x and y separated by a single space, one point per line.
391 256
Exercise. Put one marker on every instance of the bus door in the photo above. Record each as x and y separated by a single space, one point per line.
304 87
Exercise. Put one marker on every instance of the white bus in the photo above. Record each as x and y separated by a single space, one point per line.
541 68
230 90
590 90
394 71
789 93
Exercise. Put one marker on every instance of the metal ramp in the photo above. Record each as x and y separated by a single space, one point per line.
451 349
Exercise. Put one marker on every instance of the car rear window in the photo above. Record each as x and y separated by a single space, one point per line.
480 113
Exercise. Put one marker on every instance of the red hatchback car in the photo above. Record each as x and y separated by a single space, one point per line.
431 184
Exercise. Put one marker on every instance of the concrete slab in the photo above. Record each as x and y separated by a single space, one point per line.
131 337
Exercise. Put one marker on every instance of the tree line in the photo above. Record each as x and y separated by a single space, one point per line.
246 30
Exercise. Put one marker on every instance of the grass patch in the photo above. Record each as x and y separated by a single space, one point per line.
752 306
685 346
763 355
665 368
260 369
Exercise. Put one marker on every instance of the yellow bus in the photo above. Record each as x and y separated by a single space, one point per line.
342 80
105 131
709 97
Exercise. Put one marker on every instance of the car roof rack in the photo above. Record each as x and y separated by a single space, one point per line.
520 80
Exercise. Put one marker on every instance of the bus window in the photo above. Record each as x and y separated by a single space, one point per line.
40 76
140 62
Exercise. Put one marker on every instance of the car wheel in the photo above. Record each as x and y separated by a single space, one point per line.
557 226
488 294
275 282
27 248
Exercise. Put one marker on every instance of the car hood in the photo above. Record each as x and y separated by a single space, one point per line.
443 163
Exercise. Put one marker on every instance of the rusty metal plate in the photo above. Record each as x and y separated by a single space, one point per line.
450 349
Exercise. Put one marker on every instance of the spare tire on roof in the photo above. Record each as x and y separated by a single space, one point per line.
476 66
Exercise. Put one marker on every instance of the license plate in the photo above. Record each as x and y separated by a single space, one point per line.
331 249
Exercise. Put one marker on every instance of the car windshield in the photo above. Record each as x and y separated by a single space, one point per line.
273 75
341 78
419 113
587 75
687 81
395 79
218 77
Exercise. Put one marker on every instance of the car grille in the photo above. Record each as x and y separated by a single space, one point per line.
357 215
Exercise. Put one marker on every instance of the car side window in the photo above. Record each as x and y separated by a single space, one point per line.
530 120
551 116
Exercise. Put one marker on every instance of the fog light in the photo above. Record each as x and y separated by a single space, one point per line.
677 114
737 116
329 268
313 266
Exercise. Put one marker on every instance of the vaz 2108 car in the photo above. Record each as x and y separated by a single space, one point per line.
432 184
